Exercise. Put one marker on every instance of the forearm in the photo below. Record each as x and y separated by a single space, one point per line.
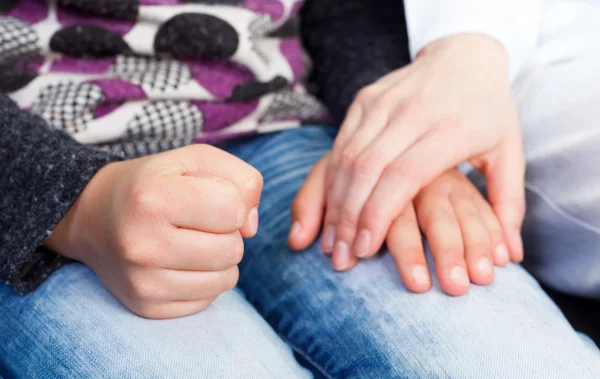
513 23
43 171
353 43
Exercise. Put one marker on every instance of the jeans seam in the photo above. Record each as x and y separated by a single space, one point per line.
306 356
558 209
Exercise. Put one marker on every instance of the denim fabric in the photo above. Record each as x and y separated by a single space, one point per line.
71 327
365 324
358 324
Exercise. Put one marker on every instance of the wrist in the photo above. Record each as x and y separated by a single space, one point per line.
70 237
468 47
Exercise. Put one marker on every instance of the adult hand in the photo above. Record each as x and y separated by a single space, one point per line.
453 104
458 223
164 232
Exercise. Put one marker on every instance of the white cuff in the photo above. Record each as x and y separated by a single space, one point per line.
514 23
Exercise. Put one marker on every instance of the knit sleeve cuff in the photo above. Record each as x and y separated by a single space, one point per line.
42 173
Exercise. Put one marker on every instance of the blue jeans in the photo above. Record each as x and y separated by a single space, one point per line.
362 323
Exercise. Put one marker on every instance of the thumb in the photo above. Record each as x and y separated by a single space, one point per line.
308 207
505 176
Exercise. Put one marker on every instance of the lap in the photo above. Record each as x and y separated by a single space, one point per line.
364 323
72 327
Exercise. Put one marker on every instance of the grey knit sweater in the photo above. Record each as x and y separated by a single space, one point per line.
42 171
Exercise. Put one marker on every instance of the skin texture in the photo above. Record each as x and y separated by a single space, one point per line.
164 232
457 221
402 133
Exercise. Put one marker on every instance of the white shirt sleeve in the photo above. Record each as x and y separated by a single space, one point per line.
514 23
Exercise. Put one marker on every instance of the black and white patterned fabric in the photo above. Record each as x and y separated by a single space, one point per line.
152 73
17 39
260 26
293 104
68 106
165 120
140 149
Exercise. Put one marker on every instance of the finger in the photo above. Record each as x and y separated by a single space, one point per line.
173 309
335 180
308 207
501 256
506 191
367 170
476 239
206 160
200 251
169 285
360 165
208 204
406 247
442 230
433 154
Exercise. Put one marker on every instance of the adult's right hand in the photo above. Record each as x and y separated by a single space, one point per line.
164 232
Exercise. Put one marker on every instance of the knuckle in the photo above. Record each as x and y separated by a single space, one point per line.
348 155
231 278
147 310
146 199
347 220
416 104
367 164
144 289
199 149
408 173
128 247
231 207
385 103
236 252
367 94
254 184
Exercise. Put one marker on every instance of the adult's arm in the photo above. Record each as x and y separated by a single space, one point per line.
42 172
513 23
352 44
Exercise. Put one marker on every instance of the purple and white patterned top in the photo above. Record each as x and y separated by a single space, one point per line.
143 76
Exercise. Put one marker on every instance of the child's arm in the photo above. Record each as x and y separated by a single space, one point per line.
42 172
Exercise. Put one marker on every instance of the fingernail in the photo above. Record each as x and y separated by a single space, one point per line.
253 220
420 275
328 239
484 265
341 256
459 275
295 229
501 254
362 244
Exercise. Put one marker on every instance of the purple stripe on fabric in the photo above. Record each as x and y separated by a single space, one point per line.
68 17
106 108
30 11
82 66
215 138
219 78
273 8
221 115
117 90
292 51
